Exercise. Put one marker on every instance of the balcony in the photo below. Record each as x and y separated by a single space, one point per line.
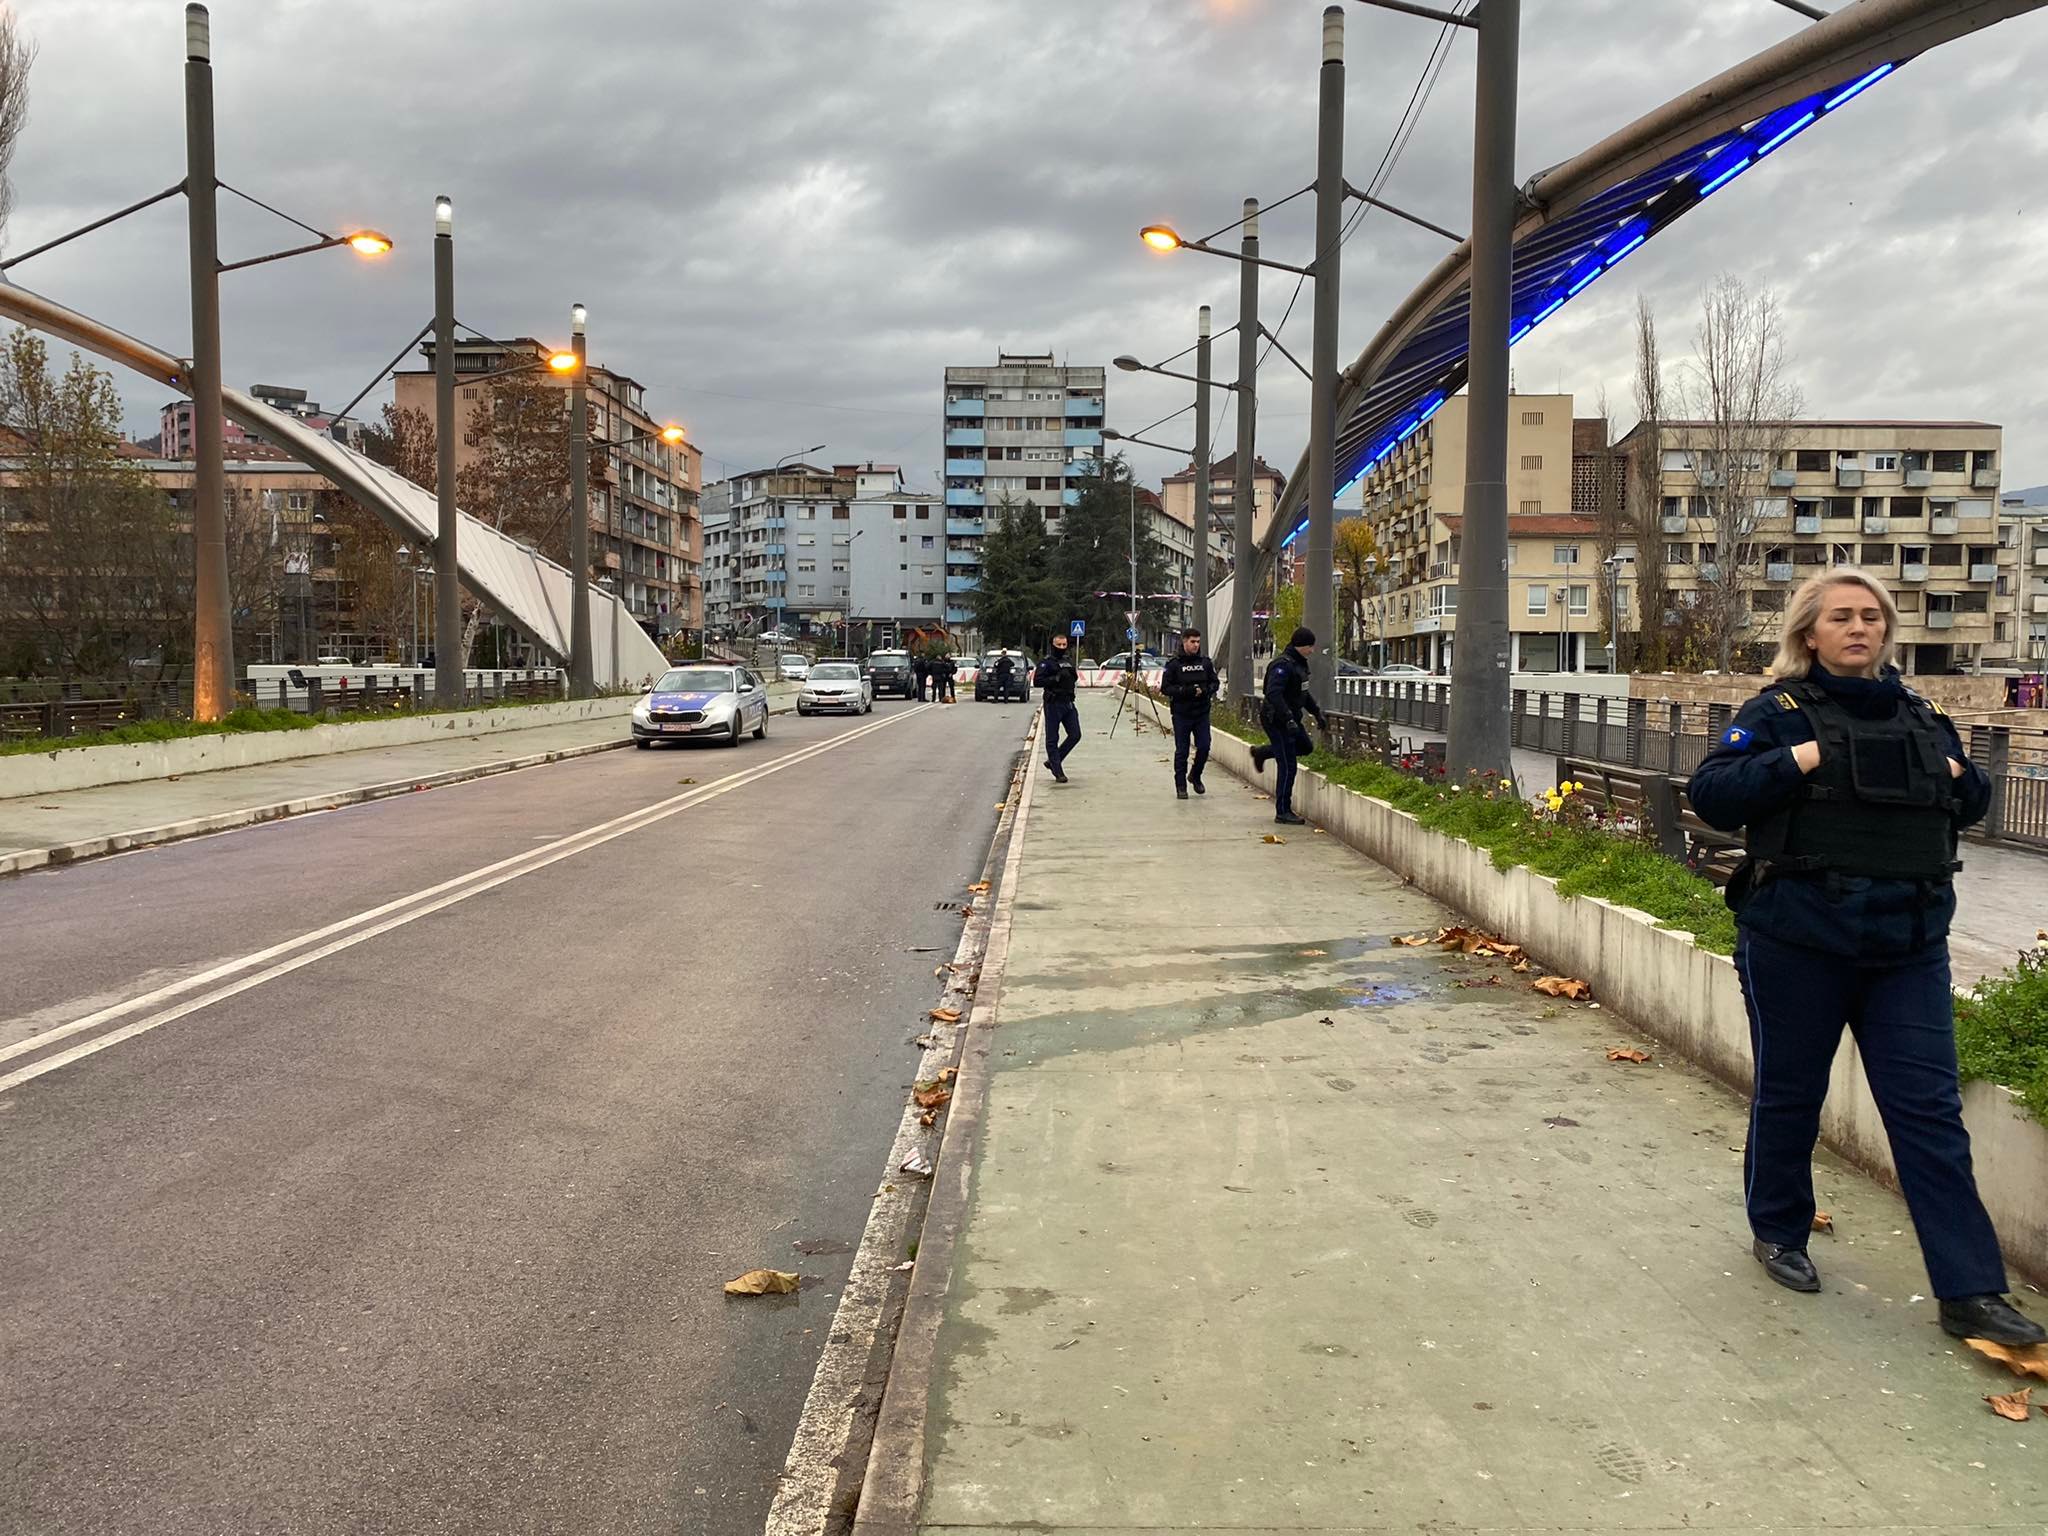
964 557
1943 523
1913 571
956 584
2039 602
961 469
1070 496
2040 556
1710 478
1919 479
1085 407
956 498
1674 524
958 527
1985 480
1941 618
1983 573
1806 524
966 437
1710 571
1848 479
1081 437
1778 570
1784 479
1876 524
970 409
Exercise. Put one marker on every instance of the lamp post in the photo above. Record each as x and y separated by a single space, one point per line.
448 658
1612 566
1563 629
582 682
1200 583
1317 606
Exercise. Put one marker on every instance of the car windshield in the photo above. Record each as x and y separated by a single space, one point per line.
835 672
695 680
889 658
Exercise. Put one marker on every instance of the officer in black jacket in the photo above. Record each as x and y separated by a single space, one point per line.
1056 679
1851 790
1190 684
1287 739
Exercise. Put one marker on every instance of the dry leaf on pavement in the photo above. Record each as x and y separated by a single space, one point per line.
762 1282
947 1074
1272 837
1523 967
1413 940
2031 1361
1305 953
931 1095
1562 986
978 887
1823 1222
2012 1405
946 1015
1628 1053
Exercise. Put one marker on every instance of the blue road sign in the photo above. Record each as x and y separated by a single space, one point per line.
1131 633
1078 628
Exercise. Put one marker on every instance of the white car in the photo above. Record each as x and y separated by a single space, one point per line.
1402 669
699 701
836 685
793 669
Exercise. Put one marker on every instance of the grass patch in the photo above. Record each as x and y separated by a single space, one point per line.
2002 1031
237 722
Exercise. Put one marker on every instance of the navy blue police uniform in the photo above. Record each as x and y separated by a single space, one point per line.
1056 680
1284 700
1843 908
1190 684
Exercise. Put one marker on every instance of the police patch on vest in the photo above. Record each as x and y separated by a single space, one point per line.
1736 736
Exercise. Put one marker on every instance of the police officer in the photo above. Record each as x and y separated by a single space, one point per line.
1005 675
947 668
1057 678
1190 685
920 672
1280 712
1851 790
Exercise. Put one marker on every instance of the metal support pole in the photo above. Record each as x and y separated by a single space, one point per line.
581 681
1200 583
1247 428
1479 665
213 633
1318 611
448 657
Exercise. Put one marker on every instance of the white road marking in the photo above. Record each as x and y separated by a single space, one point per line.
407 909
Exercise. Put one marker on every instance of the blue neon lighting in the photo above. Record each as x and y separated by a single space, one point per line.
1520 331
1547 311
1573 291
1859 87
1298 532
1351 486
1409 431
1785 133
1727 176
1436 404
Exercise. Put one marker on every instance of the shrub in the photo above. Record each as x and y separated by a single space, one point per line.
2002 1031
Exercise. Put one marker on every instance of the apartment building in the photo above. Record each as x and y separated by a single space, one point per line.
175 421
1915 503
1021 431
646 524
717 566
1415 501
1177 494
2023 528
899 568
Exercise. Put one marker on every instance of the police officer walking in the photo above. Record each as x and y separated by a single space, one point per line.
1190 684
1851 789
1057 678
1280 712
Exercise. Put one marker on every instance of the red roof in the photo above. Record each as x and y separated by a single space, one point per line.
1224 471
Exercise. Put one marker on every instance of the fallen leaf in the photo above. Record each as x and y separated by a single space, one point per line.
762 1282
2031 1361
938 970
907 1263
1413 940
1478 981
1823 1222
1560 1121
947 1074
1002 805
931 1095
2016 1406
1628 1053
1305 953
686 781
1270 837
929 1118
1321 832
946 1015
978 887
1522 967
1562 986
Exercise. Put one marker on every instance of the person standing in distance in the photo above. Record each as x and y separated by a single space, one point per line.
1190 685
1056 680
949 667
1850 790
1280 712
920 673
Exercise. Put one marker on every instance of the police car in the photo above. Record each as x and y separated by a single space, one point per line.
720 703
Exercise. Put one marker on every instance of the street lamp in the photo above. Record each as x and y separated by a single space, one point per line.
582 683
1612 566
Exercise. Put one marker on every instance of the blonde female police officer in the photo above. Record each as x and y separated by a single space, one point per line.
1851 789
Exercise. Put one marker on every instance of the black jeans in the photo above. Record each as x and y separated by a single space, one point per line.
1190 728
1902 1018
1288 744
1058 714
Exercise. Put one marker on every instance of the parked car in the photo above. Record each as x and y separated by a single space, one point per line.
1088 664
1403 669
891 672
1148 661
715 702
986 685
835 685
793 669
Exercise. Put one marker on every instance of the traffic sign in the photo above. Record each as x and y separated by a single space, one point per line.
1131 633
1078 628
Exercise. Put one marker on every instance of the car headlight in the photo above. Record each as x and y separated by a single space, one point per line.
640 711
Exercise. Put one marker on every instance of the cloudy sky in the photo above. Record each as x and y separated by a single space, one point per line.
788 216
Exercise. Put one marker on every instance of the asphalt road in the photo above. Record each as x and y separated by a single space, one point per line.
429 1233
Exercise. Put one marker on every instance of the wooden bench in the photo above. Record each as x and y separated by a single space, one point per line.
1658 801
63 717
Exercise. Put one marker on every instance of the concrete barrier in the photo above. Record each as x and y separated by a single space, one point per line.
49 773
1661 982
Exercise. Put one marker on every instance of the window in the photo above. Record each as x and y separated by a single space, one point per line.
1564 554
1950 461
1883 463
1539 598
1532 506
1907 601
924 514
1621 599
1812 461
1443 600
842 513
925 541
927 599
1532 418
1532 461
1581 601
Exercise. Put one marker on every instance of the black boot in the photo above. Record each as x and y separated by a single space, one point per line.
1180 791
1195 784
1289 819
1992 1318
1790 1267
1259 756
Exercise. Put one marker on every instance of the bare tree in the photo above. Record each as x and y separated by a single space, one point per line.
404 441
1642 498
518 480
1740 405
17 56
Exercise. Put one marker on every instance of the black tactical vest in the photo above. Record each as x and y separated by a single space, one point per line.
1882 803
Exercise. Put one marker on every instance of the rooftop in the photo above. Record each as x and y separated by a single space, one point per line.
1225 469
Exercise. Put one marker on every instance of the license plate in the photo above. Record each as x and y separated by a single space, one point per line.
676 727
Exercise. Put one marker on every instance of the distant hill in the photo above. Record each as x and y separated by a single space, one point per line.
2033 496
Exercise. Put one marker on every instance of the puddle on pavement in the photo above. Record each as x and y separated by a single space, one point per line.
1380 994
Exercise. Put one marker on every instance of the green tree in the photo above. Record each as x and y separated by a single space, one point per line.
1094 554
1019 601
1355 547
1287 608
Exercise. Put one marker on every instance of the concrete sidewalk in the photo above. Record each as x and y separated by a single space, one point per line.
1276 1226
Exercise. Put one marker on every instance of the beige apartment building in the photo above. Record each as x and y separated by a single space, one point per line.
1915 503
1415 501
1177 500
646 522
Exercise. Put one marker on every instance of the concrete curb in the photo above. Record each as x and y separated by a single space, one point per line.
226 821
892 1490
